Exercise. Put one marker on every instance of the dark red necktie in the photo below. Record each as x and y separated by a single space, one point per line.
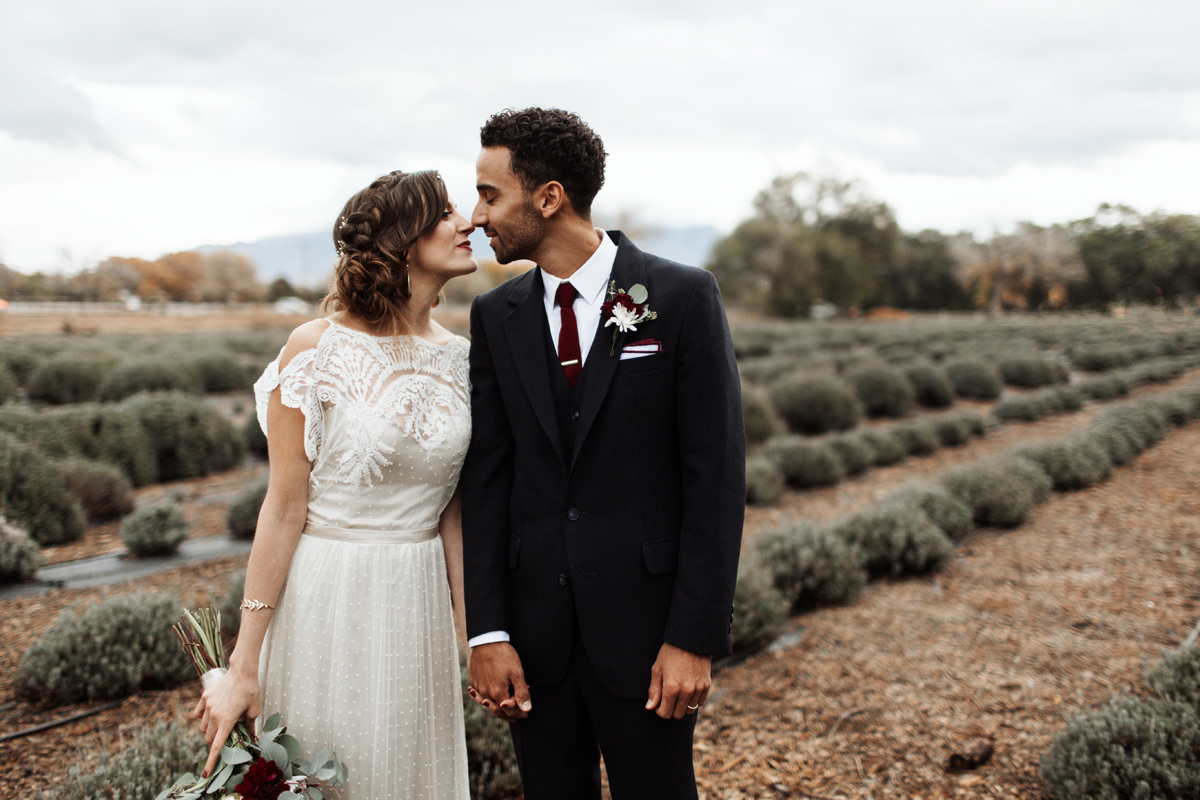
568 337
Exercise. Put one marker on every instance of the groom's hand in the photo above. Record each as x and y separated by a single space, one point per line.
679 682
498 681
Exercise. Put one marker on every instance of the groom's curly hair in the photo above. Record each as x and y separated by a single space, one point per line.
549 144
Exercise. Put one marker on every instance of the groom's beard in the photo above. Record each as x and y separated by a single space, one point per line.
520 239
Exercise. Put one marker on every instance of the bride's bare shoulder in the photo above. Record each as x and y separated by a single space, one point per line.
303 338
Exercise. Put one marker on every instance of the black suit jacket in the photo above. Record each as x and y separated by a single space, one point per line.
633 535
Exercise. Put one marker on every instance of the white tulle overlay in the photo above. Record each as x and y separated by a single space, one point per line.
361 656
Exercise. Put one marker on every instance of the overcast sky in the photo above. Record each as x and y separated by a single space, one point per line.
136 127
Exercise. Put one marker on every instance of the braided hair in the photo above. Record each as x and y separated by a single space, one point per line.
373 236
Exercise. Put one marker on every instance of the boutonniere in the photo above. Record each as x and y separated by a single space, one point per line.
625 310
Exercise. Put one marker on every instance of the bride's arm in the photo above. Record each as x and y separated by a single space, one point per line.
280 523
450 527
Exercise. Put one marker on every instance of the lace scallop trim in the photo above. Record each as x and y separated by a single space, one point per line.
295 386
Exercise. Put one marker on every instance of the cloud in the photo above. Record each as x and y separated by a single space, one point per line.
700 103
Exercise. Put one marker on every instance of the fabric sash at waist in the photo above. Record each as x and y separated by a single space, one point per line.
361 536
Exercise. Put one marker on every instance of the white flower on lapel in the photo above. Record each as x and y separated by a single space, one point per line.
626 310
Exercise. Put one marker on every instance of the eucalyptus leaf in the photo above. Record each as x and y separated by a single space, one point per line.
315 794
190 796
272 722
269 734
275 752
290 796
345 773
218 781
291 744
325 774
319 760
163 794
235 779
234 755
638 293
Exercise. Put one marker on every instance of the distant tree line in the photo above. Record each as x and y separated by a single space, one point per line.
222 276
813 241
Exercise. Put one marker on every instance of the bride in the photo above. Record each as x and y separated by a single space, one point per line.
348 626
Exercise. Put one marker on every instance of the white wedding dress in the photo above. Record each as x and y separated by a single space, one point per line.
361 656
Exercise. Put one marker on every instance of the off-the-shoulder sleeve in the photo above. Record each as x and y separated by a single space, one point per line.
297 389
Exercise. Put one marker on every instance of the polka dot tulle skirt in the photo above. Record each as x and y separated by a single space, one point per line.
361 658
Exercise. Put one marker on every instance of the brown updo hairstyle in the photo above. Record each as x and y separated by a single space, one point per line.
373 235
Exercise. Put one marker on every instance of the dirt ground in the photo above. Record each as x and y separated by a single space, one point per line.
1022 629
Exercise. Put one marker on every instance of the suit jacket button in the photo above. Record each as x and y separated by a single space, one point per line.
575 416
573 514
562 580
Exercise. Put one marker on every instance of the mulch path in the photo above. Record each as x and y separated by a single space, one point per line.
1021 630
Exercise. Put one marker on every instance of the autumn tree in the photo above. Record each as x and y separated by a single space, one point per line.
1030 267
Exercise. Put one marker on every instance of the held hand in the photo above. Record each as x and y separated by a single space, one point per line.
233 697
679 682
498 681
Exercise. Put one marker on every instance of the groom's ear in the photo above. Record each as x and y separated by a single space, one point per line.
551 199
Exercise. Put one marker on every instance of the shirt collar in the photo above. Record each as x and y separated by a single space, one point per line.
592 278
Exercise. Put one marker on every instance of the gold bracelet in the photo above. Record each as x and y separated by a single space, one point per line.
254 605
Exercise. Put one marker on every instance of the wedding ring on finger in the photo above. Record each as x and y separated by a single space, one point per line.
693 708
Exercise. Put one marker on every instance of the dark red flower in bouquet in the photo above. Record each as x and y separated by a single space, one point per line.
263 781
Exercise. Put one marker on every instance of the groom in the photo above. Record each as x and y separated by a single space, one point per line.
604 489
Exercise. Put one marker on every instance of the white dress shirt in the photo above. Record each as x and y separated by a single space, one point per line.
590 282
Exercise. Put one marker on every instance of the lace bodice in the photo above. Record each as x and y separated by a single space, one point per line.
387 422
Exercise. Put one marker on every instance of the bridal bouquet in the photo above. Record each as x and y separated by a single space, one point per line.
267 767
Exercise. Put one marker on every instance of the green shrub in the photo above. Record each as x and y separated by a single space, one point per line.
92 431
931 387
1071 464
951 429
999 491
1118 443
810 565
1101 359
896 539
1177 677
886 445
19 361
34 495
256 440
816 403
883 391
103 489
764 371
189 438
764 485
242 517
1020 408
1176 408
976 425
920 437
147 375
949 514
231 604
1061 399
1104 388
759 415
804 462
219 371
974 379
20 558
155 530
1030 372
491 763
67 379
856 455
1145 424
1129 749
759 609
110 650
8 385
152 761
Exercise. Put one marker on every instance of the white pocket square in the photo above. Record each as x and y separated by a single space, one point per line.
646 347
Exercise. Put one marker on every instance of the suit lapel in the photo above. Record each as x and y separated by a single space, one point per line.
525 330
628 268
